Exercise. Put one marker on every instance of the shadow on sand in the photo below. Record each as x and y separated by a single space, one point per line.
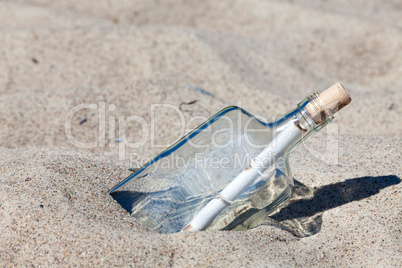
302 216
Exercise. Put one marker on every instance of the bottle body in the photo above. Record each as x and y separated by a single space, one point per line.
272 191
166 193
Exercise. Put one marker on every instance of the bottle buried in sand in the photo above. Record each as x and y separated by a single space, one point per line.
229 168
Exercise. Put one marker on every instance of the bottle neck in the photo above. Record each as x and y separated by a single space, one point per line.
313 113
311 116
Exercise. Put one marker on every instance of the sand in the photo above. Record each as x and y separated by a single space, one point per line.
263 55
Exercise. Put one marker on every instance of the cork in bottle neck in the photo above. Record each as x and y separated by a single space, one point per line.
322 107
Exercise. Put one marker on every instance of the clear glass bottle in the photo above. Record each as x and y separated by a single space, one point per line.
168 192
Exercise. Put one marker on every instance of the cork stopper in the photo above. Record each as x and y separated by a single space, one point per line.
332 99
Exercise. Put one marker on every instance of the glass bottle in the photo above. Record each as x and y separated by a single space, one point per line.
174 189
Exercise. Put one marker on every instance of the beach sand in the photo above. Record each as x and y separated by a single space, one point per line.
265 56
